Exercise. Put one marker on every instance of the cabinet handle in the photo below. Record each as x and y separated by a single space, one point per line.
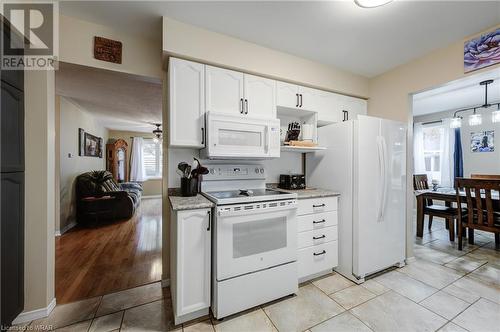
246 106
319 221
317 206
209 220
241 105
319 253
202 136
319 237
297 104
346 115
300 100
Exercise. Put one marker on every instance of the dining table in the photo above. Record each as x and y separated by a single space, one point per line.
446 195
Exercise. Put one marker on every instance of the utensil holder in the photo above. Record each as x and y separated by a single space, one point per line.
189 187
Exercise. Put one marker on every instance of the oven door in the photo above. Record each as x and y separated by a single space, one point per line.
231 137
255 236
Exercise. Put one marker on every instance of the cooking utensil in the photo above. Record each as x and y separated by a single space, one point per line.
179 172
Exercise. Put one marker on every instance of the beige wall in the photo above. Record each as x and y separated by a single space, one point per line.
188 41
40 189
151 187
389 92
76 45
73 117
390 97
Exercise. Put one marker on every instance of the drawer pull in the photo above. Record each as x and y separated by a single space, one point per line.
319 237
319 221
319 253
320 205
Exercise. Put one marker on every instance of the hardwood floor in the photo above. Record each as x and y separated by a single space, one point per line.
92 261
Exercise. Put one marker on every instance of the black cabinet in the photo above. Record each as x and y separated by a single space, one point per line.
12 129
13 77
12 256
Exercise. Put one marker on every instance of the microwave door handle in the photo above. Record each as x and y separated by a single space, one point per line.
267 134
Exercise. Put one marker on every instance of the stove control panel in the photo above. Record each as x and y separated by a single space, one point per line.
226 172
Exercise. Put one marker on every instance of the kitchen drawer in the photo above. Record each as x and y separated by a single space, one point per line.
317 259
315 205
317 236
316 221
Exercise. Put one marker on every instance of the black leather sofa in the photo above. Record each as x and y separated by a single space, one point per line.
99 197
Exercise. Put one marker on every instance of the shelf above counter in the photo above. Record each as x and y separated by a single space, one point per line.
301 149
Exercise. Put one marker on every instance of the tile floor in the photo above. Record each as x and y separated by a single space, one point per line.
442 289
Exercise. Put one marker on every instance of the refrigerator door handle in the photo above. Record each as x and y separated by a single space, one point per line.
382 176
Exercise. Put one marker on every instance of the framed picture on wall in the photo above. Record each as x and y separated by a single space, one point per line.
81 142
483 141
93 146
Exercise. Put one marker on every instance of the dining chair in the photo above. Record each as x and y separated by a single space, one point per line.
483 213
449 213
486 176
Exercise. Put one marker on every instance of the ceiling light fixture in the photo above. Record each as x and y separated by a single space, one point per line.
371 3
456 122
495 115
158 133
475 119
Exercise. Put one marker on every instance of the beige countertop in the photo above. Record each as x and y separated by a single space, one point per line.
178 202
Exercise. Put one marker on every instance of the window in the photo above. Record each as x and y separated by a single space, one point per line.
152 158
433 136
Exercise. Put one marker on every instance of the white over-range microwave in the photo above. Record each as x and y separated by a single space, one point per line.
233 137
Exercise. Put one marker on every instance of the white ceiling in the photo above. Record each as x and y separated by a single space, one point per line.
339 33
458 94
120 101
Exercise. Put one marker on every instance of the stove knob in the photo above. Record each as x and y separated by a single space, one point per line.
257 171
212 171
261 171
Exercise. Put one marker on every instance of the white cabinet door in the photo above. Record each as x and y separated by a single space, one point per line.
193 261
308 99
260 97
186 103
287 95
224 91
351 107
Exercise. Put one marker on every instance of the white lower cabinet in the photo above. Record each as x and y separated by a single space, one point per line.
317 237
190 263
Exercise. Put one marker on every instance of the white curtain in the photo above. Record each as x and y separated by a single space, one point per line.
418 149
137 170
446 159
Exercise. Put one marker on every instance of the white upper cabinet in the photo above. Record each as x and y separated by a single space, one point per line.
224 91
287 95
326 107
260 97
350 107
186 98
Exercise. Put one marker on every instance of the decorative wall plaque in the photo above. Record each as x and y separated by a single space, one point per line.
107 50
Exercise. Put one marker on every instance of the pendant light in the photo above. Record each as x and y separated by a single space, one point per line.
495 115
456 122
475 119
371 3
158 133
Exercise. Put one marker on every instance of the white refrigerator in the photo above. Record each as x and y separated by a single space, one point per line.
365 161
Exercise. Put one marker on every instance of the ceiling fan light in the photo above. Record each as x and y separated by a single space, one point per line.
456 122
495 116
475 120
371 3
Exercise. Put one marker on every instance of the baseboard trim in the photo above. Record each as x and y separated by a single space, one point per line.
151 196
66 228
410 259
29 316
165 283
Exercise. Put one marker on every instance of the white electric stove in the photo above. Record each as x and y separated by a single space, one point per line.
254 239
